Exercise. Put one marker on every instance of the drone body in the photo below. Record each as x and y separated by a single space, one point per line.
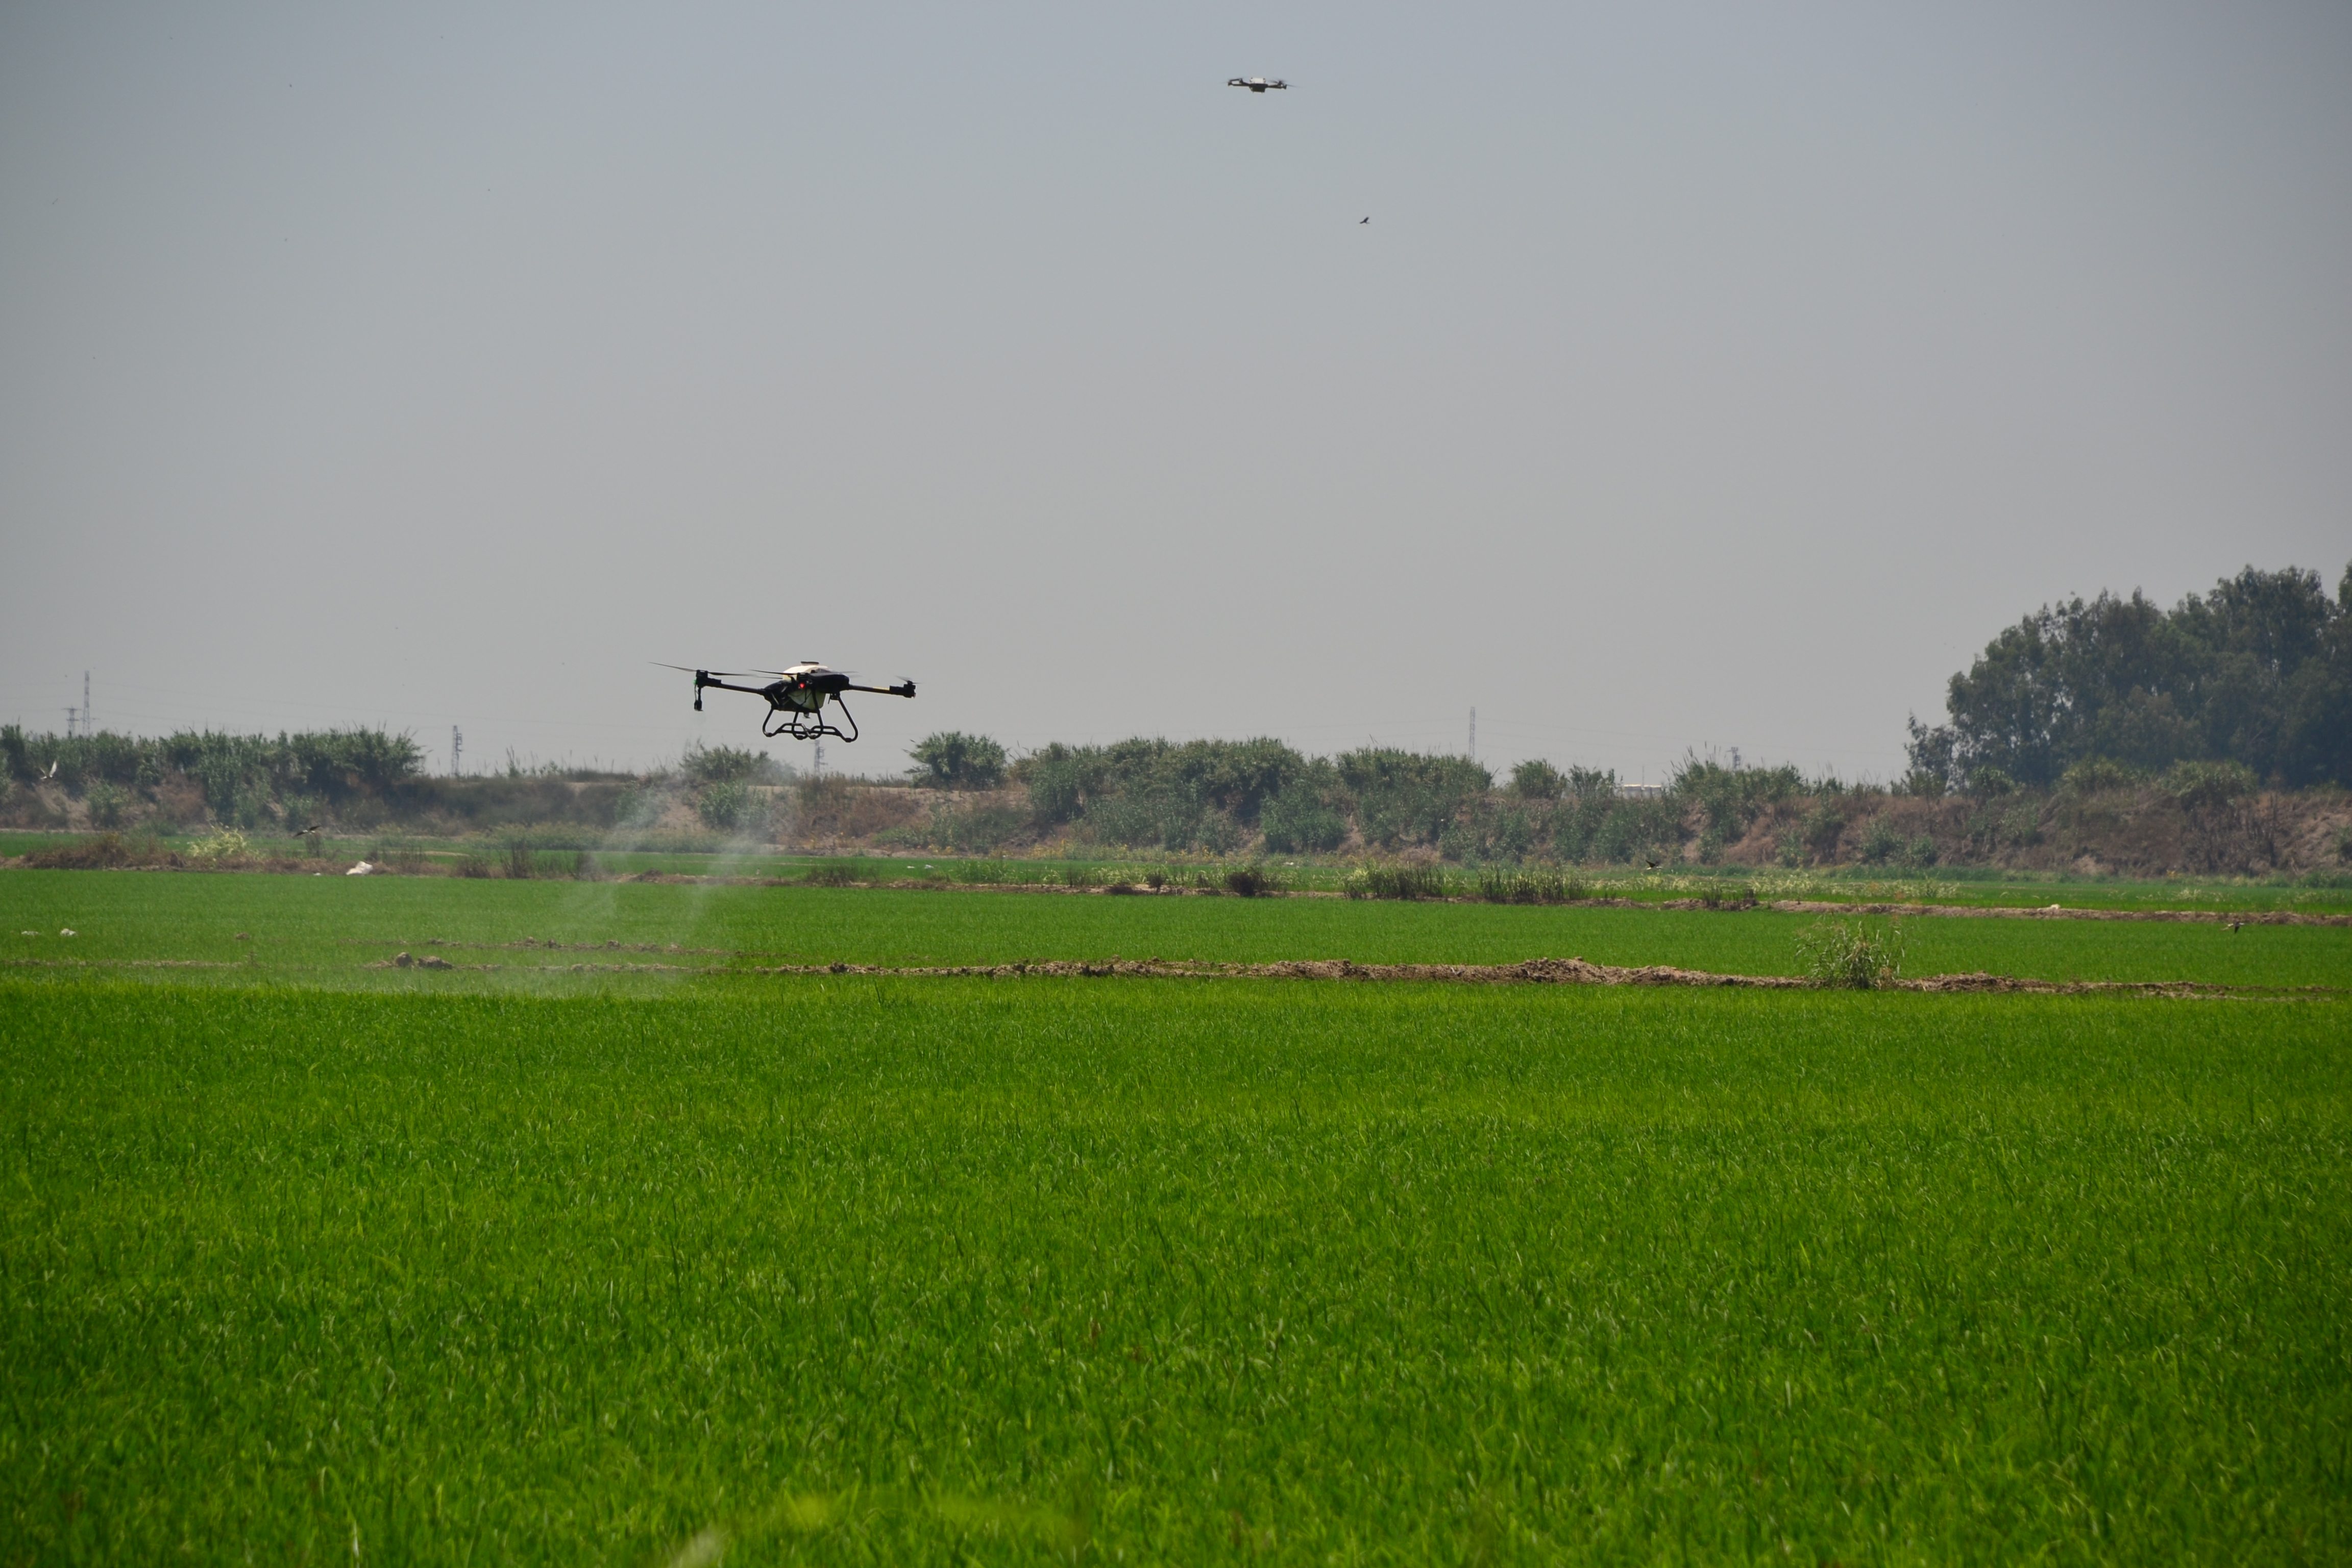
799 694
1259 83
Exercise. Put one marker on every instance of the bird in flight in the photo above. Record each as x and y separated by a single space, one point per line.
1258 83
1362 221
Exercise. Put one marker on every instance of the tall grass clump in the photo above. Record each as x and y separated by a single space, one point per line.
1542 885
1851 955
1390 881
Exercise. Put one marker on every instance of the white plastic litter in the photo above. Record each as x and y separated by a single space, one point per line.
68 933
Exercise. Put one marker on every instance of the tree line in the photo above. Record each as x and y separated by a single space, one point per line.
2257 673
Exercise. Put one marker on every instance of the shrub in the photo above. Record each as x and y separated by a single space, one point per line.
1820 830
832 874
724 764
1858 955
1590 783
1988 782
1061 779
1407 797
519 864
1150 817
2096 775
2209 786
1716 895
2344 844
1298 820
975 829
1247 882
105 802
1880 842
587 868
472 865
219 845
1731 798
1536 779
725 807
1921 852
951 759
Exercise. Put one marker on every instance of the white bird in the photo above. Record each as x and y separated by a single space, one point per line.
362 870
53 769
1257 83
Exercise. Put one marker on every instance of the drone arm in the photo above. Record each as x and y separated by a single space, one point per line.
703 678
907 690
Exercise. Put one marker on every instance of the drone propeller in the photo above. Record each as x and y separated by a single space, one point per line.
692 671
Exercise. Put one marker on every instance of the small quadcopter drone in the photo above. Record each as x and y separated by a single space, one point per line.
799 694
1259 83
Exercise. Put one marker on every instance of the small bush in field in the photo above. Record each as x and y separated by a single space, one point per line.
1855 955
1247 882
220 843
520 865
472 865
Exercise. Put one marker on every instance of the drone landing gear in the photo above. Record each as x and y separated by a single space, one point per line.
802 726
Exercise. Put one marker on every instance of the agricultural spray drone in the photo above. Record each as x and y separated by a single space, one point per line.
799 695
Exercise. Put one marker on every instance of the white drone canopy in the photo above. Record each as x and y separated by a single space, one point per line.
1257 83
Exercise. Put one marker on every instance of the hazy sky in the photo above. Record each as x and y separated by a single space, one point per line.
1708 375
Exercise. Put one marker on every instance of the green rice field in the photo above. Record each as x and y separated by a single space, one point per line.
313 929
304 1260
